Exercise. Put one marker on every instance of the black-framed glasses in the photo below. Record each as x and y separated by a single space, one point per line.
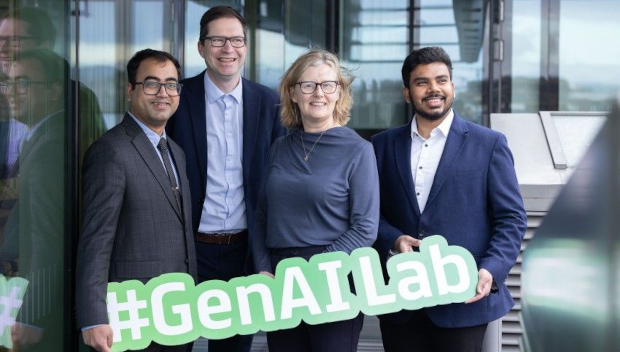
153 87
218 42
308 87
21 84
14 40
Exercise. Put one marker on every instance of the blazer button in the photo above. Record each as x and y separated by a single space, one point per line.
186 260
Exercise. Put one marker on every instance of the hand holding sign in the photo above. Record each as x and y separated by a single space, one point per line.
170 310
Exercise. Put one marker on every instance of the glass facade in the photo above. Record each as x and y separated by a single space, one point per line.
509 56
37 184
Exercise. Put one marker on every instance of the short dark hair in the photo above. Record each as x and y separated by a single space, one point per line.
217 12
40 24
54 67
146 54
423 56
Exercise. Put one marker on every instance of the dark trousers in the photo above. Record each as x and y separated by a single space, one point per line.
340 336
419 334
224 262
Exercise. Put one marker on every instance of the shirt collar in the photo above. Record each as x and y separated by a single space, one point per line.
214 93
444 126
152 136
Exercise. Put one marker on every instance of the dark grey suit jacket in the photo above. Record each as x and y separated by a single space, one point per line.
132 228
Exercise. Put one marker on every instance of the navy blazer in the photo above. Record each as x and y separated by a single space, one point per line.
261 126
474 203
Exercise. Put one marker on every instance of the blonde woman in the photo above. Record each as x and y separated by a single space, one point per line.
321 192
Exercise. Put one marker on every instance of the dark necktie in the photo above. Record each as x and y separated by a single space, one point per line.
165 155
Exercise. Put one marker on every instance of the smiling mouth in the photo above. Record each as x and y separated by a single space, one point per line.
226 60
434 101
435 97
160 103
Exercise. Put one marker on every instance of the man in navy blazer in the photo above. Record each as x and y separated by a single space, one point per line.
225 124
442 175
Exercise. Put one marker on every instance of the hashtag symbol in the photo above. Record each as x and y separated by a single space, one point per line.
11 298
134 323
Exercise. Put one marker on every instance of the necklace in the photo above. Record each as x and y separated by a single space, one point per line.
306 155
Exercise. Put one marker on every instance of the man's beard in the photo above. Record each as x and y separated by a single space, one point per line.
433 116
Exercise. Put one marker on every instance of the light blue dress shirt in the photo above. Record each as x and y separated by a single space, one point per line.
17 134
224 206
154 138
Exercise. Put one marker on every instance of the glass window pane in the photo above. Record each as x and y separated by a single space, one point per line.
194 63
589 54
526 36
458 30
373 44
98 55
35 179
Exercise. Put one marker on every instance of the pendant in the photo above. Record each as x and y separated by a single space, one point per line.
306 158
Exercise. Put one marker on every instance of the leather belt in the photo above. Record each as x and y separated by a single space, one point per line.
221 237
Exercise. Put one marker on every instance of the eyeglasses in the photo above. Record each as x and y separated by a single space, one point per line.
14 41
218 42
153 87
328 87
21 84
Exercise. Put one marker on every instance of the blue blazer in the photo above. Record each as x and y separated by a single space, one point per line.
474 203
261 126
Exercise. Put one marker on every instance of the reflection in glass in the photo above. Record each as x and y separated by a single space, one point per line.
526 49
194 63
373 44
459 31
589 54
286 29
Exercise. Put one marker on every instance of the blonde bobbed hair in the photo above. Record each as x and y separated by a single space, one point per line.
289 111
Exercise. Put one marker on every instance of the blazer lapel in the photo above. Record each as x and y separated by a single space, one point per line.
196 103
151 159
454 145
251 104
402 151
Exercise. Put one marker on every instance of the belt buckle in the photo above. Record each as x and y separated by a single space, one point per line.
227 237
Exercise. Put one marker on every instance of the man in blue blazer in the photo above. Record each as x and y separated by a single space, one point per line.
225 124
442 175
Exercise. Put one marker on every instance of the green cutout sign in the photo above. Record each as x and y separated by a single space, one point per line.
11 298
171 310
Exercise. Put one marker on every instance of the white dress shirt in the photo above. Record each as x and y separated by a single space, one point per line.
425 156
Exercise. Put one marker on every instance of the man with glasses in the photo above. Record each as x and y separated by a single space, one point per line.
225 124
137 212
33 233
29 28
23 30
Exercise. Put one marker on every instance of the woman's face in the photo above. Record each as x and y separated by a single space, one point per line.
316 107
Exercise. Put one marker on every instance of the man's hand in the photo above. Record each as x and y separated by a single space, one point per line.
267 273
99 338
405 243
485 281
